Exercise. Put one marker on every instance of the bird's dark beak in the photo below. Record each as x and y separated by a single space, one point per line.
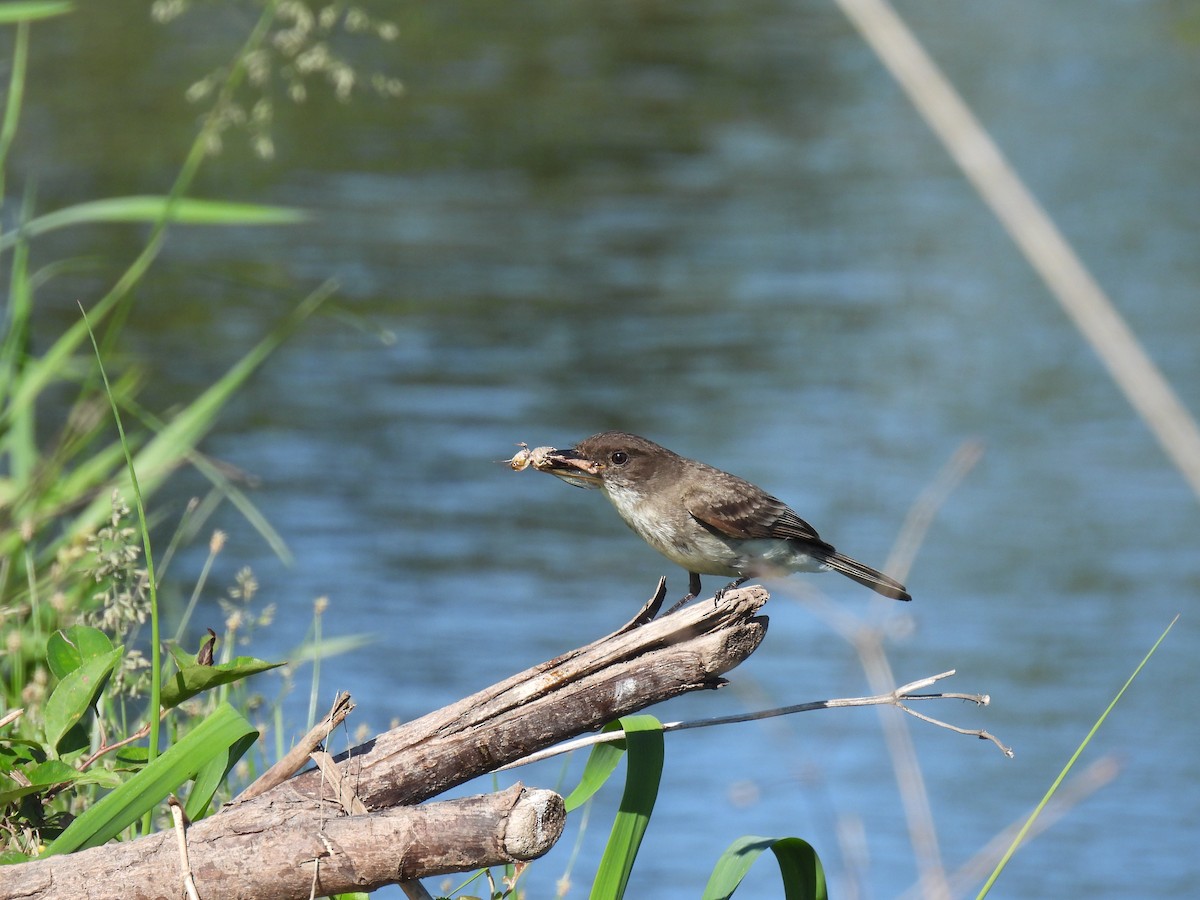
572 468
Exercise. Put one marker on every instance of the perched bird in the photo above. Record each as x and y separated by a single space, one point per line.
704 519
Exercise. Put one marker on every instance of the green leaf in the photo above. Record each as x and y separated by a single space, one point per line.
67 650
76 693
601 763
32 9
187 211
209 779
178 438
54 771
803 874
192 679
215 737
644 764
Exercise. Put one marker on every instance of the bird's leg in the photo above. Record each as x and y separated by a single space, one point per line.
737 582
692 594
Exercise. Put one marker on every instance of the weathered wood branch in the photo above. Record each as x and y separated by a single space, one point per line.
581 690
270 845
284 853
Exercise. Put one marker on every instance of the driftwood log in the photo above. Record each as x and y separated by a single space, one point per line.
298 837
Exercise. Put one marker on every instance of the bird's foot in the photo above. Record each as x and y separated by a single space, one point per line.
736 583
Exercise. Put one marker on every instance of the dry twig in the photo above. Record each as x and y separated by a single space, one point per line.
897 698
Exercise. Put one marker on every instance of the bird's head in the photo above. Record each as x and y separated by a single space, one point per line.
611 459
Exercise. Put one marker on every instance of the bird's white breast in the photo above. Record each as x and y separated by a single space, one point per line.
684 541
696 549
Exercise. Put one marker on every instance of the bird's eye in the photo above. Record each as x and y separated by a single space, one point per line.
619 457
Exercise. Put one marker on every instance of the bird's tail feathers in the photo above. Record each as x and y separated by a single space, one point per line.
865 575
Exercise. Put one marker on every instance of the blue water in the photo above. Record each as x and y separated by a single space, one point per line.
724 228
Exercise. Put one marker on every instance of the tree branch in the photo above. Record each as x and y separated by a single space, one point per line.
283 853
896 698
294 835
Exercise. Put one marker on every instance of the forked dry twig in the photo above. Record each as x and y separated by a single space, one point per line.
898 698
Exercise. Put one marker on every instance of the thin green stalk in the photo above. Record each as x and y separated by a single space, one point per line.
152 586
213 549
1012 848
16 93
315 687
55 358
20 441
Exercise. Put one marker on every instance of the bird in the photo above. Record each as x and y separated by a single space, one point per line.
704 519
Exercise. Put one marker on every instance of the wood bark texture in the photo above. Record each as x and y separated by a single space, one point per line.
266 846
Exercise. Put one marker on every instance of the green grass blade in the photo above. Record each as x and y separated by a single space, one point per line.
644 764
244 505
213 738
329 647
168 448
19 443
148 556
50 366
32 9
16 94
601 763
1012 848
210 778
801 869
154 208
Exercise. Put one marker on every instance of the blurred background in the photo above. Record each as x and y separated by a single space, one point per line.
722 226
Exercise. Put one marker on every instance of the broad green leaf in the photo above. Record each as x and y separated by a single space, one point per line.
803 874
55 771
600 765
76 693
212 738
67 650
643 771
186 211
192 679
61 655
32 9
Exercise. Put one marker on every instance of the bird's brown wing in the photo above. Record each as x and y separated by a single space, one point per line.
742 511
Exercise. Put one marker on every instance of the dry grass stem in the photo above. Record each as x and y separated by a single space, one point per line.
898 698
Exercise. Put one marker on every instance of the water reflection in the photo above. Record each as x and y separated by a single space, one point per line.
722 228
